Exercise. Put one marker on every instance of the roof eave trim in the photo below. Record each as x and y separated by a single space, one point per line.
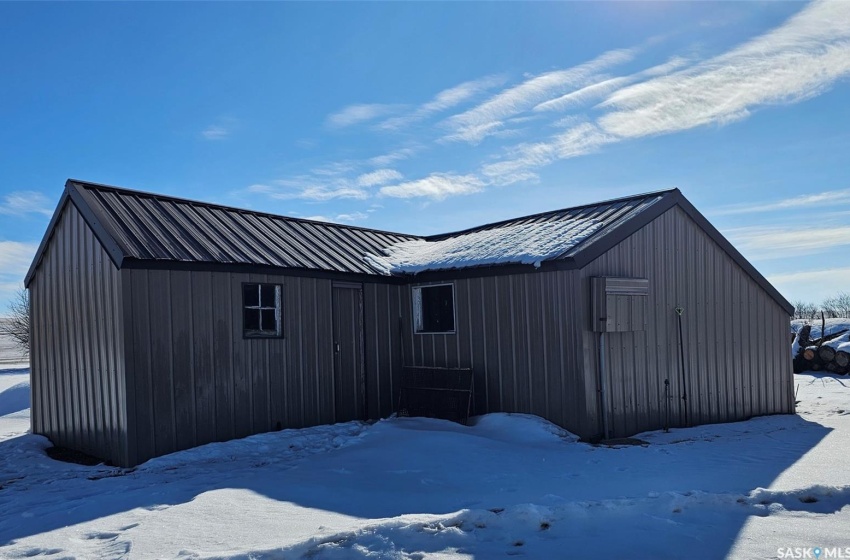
107 240
48 234
620 233
72 194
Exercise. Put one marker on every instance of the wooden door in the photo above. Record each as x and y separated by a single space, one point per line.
349 378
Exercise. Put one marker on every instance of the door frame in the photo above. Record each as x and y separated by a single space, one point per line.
358 286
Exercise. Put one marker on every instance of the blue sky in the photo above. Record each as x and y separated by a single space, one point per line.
429 117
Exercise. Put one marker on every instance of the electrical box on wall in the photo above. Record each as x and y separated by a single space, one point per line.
618 304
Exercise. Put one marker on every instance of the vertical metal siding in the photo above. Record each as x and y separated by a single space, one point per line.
78 384
197 380
383 346
519 335
735 334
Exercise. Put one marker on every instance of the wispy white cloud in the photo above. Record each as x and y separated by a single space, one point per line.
215 132
522 159
816 284
340 218
444 100
391 157
485 119
828 199
15 258
335 168
356 114
351 217
222 128
770 242
19 203
378 177
583 95
793 62
436 186
306 189
606 86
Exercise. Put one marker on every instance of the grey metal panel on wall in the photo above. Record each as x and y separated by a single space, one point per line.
78 384
521 337
737 361
197 380
383 347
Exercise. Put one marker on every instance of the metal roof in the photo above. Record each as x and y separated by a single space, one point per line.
140 229
151 227
610 213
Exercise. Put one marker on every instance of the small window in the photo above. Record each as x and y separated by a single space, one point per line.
261 317
434 309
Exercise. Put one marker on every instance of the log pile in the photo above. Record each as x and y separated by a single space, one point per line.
829 353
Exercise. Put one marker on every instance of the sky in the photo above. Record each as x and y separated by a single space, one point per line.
432 117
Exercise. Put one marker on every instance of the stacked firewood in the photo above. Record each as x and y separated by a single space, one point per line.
830 352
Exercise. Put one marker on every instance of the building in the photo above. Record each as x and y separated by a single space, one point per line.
159 324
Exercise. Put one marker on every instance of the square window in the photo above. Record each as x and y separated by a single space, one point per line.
261 311
434 309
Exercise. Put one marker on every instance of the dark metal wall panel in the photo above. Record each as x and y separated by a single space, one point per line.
520 336
78 383
197 380
383 346
735 335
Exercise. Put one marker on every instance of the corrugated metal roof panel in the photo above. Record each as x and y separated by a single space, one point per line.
152 227
148 226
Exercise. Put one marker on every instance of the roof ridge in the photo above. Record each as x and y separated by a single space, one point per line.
437 236
104 187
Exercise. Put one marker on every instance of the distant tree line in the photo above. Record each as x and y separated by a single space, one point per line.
834 306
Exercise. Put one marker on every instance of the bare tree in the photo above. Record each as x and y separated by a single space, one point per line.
17 326
804 310
837 305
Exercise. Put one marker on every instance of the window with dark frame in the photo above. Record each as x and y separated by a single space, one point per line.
434 309
261 311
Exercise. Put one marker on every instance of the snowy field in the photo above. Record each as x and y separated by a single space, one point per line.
511 485
10 352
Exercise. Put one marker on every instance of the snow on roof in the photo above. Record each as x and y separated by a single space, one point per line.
517 243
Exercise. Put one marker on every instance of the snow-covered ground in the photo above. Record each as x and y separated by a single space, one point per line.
10 352
510 485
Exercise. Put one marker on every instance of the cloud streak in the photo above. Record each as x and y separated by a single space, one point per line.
16 257
826 199
770 242
487 118
605 87
816 284
378 177
215 132
340 218
289 189
444 100
356 114
579 140
19 203
793 62
436 186
582 109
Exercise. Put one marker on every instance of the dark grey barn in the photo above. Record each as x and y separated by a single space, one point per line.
159 324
